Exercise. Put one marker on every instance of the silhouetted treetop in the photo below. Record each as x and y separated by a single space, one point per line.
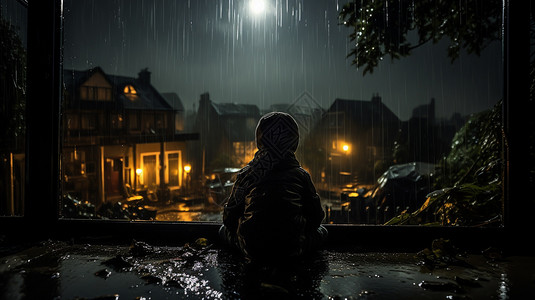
396 27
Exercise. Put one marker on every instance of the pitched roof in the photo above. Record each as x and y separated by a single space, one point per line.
147 98
174 100
364 112
234 109
235 114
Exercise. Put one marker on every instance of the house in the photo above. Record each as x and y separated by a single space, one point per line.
351 142
119 132
174 100
227 134
425 138
305 110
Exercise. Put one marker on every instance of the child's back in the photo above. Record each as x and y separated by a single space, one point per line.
274 210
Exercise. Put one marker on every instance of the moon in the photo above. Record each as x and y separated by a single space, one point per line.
257 6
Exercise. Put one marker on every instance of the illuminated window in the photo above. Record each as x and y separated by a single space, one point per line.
150 176
129 90
244 152
175 171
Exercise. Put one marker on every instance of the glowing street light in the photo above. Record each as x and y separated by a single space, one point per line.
187 168
345 147
137 180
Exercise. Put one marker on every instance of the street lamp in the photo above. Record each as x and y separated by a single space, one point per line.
345 147
139 172
187 169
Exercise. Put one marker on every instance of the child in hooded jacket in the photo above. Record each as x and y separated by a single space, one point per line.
273 210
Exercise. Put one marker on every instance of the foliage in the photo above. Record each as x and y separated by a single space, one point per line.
382 28
472 175
442 254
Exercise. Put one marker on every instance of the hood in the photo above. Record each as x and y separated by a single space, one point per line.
278 133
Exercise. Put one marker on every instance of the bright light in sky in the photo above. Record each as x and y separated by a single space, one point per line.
257 6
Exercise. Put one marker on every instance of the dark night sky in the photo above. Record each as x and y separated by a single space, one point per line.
221 47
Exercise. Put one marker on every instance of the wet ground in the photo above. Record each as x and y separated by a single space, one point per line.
198 210
60 270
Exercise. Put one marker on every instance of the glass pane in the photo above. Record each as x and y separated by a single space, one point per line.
398 115
13 49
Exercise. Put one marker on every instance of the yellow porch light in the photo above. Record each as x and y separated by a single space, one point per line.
187 168
139 171
341 146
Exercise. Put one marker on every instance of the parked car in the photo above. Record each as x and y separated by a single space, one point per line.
401 187
218 185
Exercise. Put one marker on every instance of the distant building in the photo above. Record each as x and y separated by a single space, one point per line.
425 111
119 132
174 100
424 138
305 110
227 134
351 142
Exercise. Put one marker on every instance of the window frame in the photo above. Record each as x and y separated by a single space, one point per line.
156 167
44 140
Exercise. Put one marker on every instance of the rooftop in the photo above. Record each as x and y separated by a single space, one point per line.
147 97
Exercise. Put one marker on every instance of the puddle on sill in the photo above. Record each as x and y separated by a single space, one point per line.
58 270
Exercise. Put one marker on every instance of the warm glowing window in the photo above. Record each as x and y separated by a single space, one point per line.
244 152
149 175
175 172
129 90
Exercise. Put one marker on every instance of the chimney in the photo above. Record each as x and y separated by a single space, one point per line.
376 99
144 76
205 98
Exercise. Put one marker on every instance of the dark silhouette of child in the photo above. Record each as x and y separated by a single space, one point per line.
274 211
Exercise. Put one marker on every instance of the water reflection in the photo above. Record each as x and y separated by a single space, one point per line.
184 212
196 271
503 289
297 279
